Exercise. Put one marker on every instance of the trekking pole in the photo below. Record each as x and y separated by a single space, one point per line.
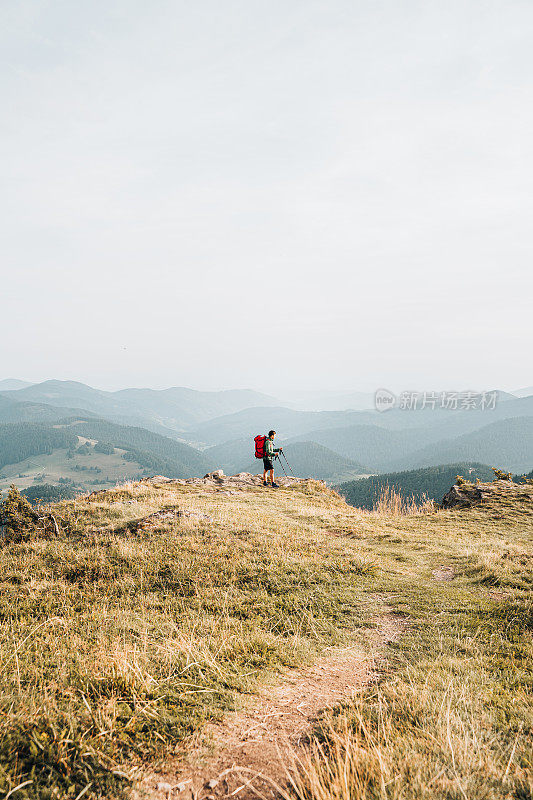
282 467
289 466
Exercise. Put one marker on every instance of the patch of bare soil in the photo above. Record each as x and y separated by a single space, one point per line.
248 753
443 573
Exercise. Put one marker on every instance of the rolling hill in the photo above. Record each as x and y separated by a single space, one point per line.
286 421
387 449
32 452
64 472
431 482
7 384
13 412
507 444
425 426
368 444
174 408
391 441
154 452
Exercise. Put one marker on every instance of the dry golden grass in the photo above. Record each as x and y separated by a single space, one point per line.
117 646
390 502
452 717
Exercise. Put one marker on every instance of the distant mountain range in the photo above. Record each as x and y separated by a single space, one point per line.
507 440
193 431
174 408
12 383
330 401
526 392
13 411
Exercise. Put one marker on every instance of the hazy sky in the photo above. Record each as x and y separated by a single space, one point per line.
273 194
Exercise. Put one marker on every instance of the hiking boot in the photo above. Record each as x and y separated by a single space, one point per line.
265 483
275 485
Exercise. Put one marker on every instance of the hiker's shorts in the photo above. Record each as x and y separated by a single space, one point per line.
267 463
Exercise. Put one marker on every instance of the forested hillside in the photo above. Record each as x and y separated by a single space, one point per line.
157 453
60 455
507 443
431 483
18 441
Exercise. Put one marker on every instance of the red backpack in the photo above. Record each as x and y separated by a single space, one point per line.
260 446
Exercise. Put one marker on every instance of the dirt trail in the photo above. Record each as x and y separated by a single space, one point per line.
245 754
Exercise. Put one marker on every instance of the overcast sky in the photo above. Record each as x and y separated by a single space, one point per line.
267 193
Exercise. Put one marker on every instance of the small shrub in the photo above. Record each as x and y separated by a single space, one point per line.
501 475
17 517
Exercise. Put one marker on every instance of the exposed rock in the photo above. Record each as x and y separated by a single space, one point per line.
498 495
219 481
463 495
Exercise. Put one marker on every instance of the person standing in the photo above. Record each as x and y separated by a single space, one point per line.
268 459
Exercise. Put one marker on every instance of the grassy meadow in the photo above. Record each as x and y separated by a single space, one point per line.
119 641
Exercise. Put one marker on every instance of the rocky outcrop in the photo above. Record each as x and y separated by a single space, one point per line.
217 480
502 493
464 495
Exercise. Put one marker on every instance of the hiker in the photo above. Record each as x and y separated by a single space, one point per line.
269 454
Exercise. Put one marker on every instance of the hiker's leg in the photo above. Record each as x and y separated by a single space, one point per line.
271 476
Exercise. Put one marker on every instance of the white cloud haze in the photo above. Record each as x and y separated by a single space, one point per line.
274 194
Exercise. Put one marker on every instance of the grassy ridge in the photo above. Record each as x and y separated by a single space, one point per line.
118 645
453 715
